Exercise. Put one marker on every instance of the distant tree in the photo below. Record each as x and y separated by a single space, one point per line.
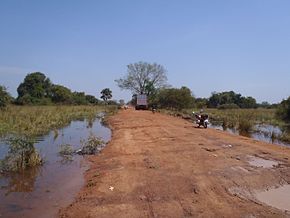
35 87
247 102
133 101
201 102
79 98
283 111
264 104
61 94
230 98
143 78
106 94
121 102
5 97
174 98
92 99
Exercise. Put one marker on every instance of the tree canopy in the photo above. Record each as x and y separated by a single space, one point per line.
230 99
38 89
283 111
35 88
175 98
143 78
106 94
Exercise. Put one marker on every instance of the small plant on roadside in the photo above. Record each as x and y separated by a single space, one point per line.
92 145
66 150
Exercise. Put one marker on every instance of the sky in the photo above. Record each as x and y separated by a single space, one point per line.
206 45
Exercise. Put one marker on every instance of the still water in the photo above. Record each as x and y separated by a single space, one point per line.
41 191
261 132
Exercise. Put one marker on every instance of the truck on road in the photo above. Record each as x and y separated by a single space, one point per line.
142 103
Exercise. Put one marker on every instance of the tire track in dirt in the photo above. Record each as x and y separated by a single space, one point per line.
161 166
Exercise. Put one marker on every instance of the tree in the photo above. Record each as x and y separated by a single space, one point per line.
122 102
231 99
143 78
35 87
92 99
106 94
61 94
174 98
283 111
79 98
247 102
5 97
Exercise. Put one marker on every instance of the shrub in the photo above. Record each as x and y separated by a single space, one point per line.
21 155
92 145
66 150
283 111
4 97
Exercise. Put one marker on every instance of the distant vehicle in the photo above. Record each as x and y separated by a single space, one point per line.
141 102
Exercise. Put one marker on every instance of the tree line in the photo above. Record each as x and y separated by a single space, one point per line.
151 79
37 89
141 78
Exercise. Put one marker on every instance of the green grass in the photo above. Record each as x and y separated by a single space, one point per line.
233 118
39 120
243 120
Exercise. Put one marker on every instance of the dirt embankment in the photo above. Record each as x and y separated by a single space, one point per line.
161 166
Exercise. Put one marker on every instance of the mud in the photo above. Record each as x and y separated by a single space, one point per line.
161 166
260 162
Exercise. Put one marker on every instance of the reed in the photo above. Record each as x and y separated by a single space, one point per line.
39 120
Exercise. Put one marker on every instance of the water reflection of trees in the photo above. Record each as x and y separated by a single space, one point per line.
23 181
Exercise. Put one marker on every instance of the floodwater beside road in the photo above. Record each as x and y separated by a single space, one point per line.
41 191
262 132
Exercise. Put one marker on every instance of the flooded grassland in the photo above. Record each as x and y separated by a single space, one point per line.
41 190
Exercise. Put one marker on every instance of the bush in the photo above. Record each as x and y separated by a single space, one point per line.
21 155
5 97
92 145
283 111
174 98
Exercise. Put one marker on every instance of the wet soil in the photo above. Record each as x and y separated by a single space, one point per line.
161 166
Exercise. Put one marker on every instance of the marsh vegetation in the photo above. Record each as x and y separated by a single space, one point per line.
34 121
260 121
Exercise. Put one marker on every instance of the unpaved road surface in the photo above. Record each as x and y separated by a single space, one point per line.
162 166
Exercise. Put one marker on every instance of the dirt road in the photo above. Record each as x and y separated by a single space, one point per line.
161 166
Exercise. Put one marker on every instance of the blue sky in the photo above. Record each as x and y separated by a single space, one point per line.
205 45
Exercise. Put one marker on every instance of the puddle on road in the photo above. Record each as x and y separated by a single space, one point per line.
41 191
276 197
260 162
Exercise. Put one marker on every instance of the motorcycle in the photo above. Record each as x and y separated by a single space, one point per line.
201 119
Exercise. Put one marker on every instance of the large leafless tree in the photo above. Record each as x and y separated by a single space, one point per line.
142 78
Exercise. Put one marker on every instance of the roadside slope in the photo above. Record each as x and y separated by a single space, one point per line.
161 166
